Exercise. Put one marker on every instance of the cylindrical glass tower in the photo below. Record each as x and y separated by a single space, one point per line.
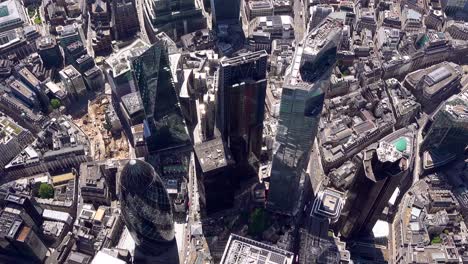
146 207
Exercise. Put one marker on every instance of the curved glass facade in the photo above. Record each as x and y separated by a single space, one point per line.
146 207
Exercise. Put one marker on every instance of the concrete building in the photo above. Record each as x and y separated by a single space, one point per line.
93 184
318 13
132 109
457 29
72 81
22 92
434 84
119 74
328 204
404 104
124 20
69 34
243 250
12 15
258 8
216 186
412 20
175 18
264 29
386 167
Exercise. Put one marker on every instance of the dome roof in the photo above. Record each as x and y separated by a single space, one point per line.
137 176
146 207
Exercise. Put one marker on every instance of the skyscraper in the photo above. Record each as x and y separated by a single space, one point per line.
386 166
165 125
225 12
174 17
241 102
301 105
146 208
447 129
124 21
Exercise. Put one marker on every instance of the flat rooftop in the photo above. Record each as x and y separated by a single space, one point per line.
244 58
120 62
132 102
11 14
212 155
436 77
328 204
241 250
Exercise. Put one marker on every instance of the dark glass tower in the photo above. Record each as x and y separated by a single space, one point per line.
146 208
299 115
447 129
225 12
241 102
165 125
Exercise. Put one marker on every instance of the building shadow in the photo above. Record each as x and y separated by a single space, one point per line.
163 254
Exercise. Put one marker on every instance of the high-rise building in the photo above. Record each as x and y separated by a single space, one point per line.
164 120
214 163
119 73
72 81
241 102
49 51
244 250
301 105
19 240
124 22
447 129
69 34
386 166
225 12
146 208
174 17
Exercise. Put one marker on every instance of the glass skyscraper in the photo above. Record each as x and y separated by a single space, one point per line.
146 208
227 12
241 102
300 109
297 127
165 125
447 129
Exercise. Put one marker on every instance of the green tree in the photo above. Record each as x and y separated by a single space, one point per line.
46 191
436 240
258 222
55 103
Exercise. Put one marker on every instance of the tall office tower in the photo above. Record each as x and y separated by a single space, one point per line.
174 17
164 120
225 12
301 105
214 164
447 129
119 73
386 166
20 241
241 103
317 14
69 34
72 81
146 208
124 22
49 51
